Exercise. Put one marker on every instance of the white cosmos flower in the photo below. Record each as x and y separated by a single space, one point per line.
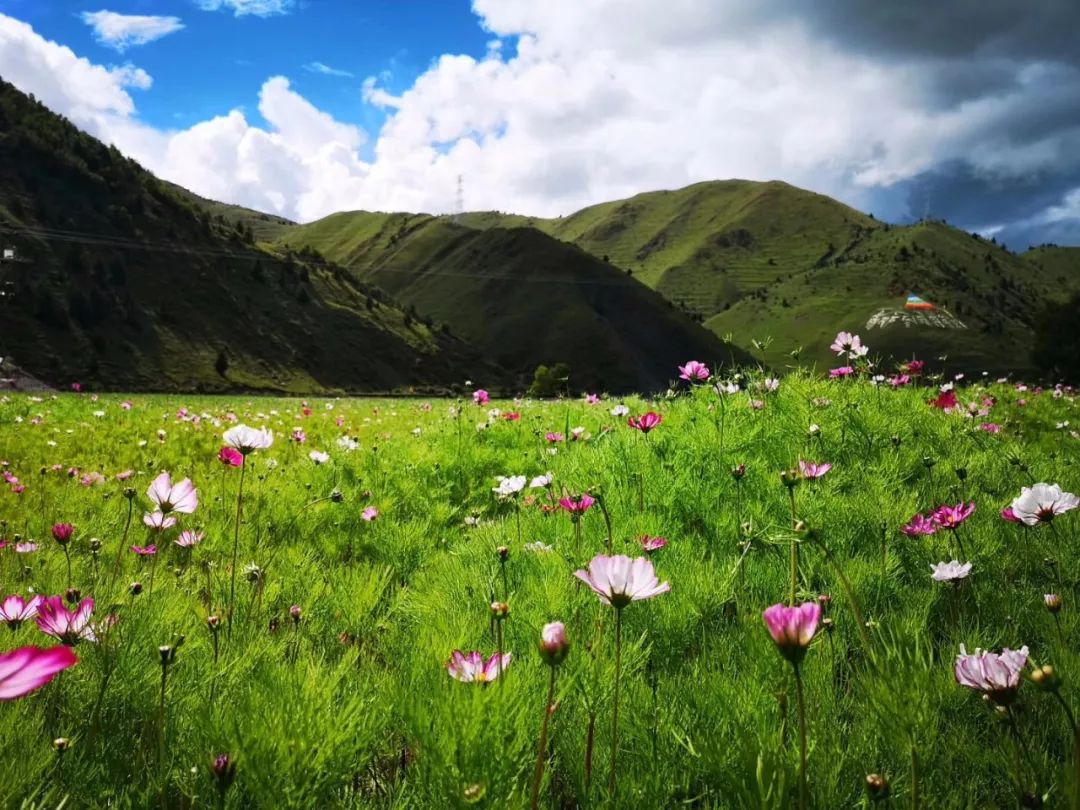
248 439
1042 503
620 410
319 457
509 486
347 444
542 481
950 571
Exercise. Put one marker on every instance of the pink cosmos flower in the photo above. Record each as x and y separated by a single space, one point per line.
511 416
899 380
950 517
950 571
842 371
25 548
592 399
846 343
14 610
76 387
792 628
997 676
299 436
811 469
144 551
914 366
480 397
577 505
126 405
620 580
757 404
1041 503
945 401
694 371
158 521
230 457
554 645
472 668
125 475
369 514
92 479
189 539
651 544
645 422
181 497
990 427
919 525
1008 514
29 668
554 437
68 626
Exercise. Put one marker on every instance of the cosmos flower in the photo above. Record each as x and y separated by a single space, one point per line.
248 439
14 610
651 544
189 539
298 436
553 437
620 410
481 397
471 667
68 626
620 580
811 469
181 497
369 514
509 486
792 628
645 422
1008 514
554 645
950 571
541 481
842 371
950 517
848 344
1041 503
29 668
319 457
997 676
158 521
945 401
230 457
919 525
694 371
144 551
592 399
577 505
62 532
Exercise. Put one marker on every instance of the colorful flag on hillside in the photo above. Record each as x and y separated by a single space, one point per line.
914 302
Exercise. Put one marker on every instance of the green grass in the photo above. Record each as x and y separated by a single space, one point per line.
352 706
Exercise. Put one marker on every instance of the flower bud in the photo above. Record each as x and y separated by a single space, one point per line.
62 532
554 645
896 440
222 772
500 610
1052 602
296 613
738 471
135 588
72 595
61 744
1046 678
828 625
129 492
95 545
503 552
877 787
337 496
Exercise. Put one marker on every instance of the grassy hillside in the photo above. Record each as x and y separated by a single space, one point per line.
124 282
521 296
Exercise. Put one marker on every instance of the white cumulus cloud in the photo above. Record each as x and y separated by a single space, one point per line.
257 8
122 31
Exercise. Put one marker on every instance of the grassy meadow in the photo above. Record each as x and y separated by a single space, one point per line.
339 596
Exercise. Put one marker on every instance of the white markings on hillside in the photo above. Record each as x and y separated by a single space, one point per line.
932 319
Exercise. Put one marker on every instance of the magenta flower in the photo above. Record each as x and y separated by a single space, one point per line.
577 505
144 551
651 544
919 525
842 371
189 539
299 436
230 457
29 668
694 371
158 521
369 514
811 469
945 401
480 397
62 532
180 497
68 626
553 437
1008 514
792 628
472 668
645 422
950 517
997 676
14 610
990 427
619 580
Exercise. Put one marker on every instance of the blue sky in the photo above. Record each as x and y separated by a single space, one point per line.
968 112
218 60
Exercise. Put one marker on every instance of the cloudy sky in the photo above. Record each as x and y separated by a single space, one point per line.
305 107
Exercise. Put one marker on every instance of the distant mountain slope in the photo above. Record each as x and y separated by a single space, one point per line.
523 297
121 281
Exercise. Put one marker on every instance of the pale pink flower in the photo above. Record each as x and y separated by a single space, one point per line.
811 469
158 521
620 580
369 514
651 544
472 668
792 628
189 539
181 497
694 371
997 676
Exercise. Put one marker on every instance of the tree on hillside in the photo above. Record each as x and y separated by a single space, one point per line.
1057 340
550 382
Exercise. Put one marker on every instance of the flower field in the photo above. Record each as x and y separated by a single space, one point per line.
751 592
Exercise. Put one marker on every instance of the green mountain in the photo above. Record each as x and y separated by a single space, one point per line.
766 260
521 296
122 281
